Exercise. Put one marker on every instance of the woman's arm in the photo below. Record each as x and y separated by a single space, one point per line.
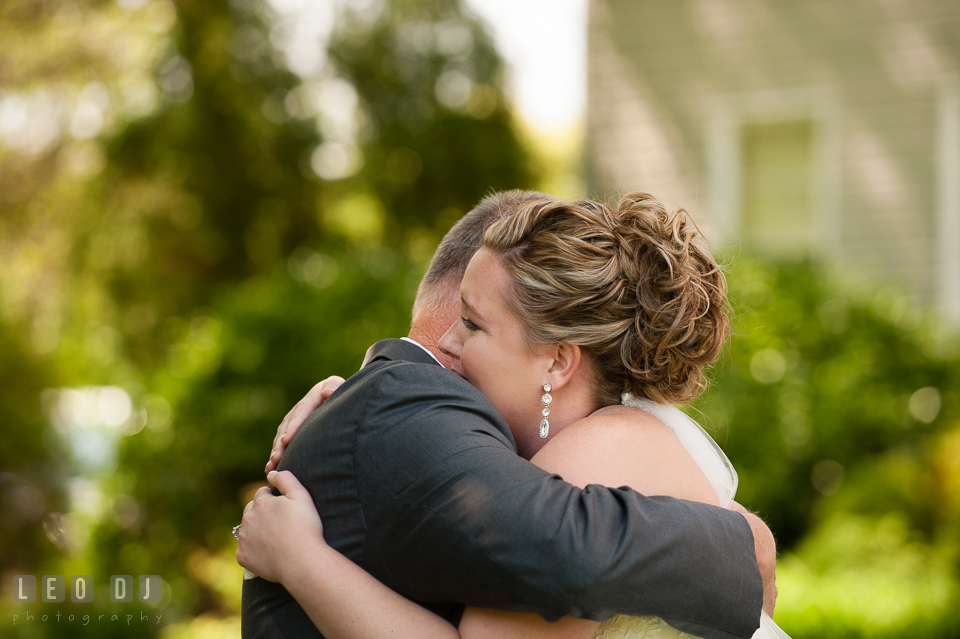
281 539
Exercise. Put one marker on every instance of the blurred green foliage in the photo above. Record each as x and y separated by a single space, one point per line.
838 404
203 228
188 220
821 374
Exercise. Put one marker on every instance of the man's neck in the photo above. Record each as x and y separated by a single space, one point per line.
429 339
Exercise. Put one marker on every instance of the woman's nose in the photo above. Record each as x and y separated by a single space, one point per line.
450 344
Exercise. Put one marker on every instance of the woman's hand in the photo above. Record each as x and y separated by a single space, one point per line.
291 422
766 549
276 529
281 540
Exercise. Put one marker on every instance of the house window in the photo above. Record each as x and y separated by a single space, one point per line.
776 180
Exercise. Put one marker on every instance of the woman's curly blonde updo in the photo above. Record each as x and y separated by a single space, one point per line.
634 287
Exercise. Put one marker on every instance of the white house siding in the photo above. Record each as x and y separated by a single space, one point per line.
671 81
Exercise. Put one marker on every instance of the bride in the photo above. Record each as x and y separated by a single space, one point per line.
609 316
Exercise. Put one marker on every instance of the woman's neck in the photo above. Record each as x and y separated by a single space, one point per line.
576 400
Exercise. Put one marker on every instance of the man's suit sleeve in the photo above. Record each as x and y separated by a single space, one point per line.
461 517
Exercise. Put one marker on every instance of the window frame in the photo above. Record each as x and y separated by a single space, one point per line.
729 114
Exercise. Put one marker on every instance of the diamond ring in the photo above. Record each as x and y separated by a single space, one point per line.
236 531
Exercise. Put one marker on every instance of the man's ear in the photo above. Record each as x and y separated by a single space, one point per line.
566 363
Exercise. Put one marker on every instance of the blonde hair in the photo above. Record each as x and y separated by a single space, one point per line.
634 287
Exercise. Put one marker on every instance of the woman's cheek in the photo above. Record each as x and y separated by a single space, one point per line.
473 354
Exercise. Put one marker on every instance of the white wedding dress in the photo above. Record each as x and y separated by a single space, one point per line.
722 476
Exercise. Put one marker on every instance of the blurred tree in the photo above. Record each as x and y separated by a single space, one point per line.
200 225
819 377
69 75
362 199
208 190
435 132
838 405
30 479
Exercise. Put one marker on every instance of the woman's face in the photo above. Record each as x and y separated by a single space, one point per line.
489 349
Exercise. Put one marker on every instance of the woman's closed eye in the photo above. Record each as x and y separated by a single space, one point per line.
469 325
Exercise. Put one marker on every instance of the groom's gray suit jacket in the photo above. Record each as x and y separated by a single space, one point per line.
418 481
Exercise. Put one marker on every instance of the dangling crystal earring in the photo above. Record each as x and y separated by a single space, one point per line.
545 399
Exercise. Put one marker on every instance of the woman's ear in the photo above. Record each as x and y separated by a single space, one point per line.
566 363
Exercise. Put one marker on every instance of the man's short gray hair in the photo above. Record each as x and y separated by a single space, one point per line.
458 246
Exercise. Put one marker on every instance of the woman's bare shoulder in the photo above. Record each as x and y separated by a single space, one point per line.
622 446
